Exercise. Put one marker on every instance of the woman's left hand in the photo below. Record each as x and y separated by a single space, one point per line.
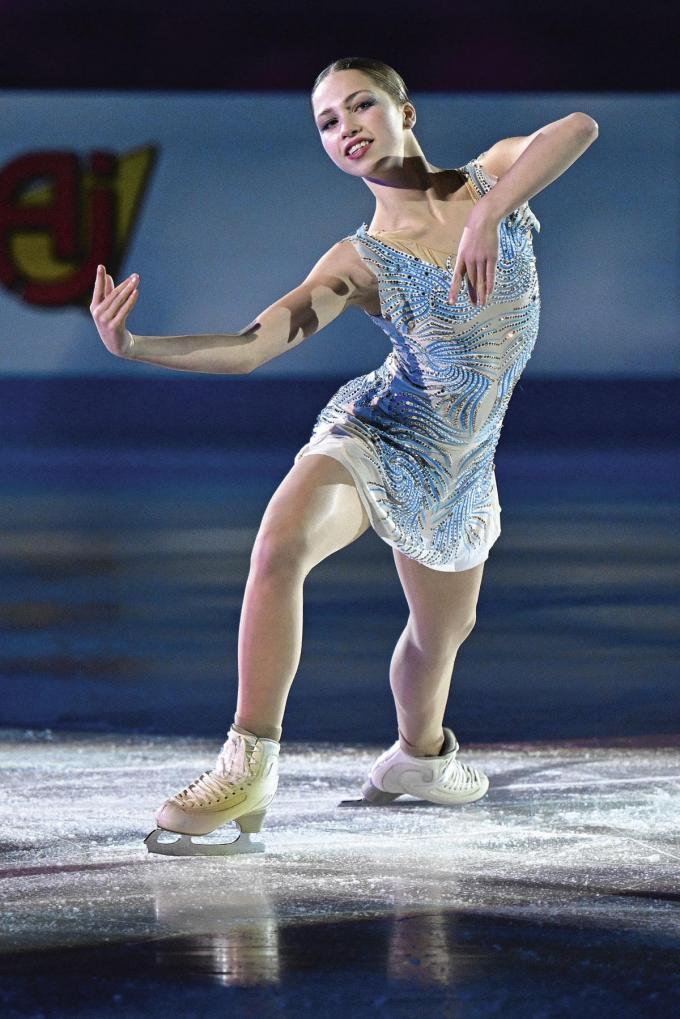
477 256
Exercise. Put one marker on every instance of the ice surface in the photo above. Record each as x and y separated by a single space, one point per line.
583 830
556 891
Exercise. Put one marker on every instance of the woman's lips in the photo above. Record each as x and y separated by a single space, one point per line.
359 152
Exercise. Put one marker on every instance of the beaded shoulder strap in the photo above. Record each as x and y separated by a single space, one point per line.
372 250
483 181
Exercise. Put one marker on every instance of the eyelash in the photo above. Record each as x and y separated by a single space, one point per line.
365 102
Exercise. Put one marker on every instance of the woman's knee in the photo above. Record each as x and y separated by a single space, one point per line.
314 512
461 628
441 642
467 626
279 550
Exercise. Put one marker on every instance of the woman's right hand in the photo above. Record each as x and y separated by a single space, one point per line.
110 307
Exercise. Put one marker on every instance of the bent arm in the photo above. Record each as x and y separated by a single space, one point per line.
330 287
528 164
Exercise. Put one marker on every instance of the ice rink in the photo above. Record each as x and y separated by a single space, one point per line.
556 894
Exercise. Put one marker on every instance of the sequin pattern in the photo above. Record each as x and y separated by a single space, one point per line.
419 433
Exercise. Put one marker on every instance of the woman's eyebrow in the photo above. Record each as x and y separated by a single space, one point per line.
346 100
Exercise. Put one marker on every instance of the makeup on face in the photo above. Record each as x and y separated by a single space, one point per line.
369 100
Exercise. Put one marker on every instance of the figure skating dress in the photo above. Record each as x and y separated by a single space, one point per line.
419 433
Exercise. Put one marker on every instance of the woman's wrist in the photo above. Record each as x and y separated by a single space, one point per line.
129 347
486 211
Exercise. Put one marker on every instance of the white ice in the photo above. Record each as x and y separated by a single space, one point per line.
567 830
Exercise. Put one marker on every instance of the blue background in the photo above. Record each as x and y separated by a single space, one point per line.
243 201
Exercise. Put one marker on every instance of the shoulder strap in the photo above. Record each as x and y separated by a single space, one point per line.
483 181
372 250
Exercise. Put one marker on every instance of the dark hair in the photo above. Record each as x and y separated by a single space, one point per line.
383 75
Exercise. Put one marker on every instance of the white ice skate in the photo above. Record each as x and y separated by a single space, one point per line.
240 788
441 779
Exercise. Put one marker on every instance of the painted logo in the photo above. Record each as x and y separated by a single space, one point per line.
60 218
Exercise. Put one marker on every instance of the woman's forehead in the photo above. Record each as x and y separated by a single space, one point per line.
335 88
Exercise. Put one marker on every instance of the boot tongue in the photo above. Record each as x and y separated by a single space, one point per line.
450 743
249 736
236 754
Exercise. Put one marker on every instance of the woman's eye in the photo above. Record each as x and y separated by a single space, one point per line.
365 102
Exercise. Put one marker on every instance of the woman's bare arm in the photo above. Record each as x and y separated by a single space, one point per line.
223 353
336 282
333 284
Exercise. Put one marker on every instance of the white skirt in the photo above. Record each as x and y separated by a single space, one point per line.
342 448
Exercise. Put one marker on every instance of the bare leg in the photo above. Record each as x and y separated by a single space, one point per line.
442 614
314 512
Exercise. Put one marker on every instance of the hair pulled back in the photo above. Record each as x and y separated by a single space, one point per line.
383 75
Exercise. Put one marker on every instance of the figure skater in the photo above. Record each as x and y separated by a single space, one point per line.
446 269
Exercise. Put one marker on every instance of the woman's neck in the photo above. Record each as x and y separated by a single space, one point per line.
400 207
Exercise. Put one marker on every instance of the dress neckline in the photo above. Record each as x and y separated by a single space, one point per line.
363 229
412 240
408 240
469 183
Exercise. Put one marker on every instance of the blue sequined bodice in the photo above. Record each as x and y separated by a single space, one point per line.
429 418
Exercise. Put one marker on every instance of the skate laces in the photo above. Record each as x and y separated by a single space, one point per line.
233 762
459 776
234 757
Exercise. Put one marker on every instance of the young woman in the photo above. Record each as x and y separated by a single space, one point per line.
446 268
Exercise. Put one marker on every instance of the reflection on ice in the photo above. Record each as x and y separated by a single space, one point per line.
570 861
559 819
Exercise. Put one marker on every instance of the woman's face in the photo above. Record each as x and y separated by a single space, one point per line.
343 117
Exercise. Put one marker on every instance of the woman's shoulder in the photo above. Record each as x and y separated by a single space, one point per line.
480 170
344 262
486 170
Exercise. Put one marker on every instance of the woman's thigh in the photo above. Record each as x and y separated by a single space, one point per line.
442 605
315 511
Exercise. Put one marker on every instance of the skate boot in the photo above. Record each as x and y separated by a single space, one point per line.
441 779
239 788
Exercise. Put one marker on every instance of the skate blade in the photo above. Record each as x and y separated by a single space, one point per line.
367 803
372 797
377 797
183 845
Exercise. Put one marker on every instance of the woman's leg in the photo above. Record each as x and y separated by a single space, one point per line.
442 614
314 512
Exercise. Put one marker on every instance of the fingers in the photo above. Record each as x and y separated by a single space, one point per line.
108 308
103 286
458 274
472 284
119 296
489 279
99 283
126 307
480 282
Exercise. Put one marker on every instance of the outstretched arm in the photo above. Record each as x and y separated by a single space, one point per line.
326 292
221 353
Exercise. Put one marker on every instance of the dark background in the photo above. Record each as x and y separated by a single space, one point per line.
531 46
